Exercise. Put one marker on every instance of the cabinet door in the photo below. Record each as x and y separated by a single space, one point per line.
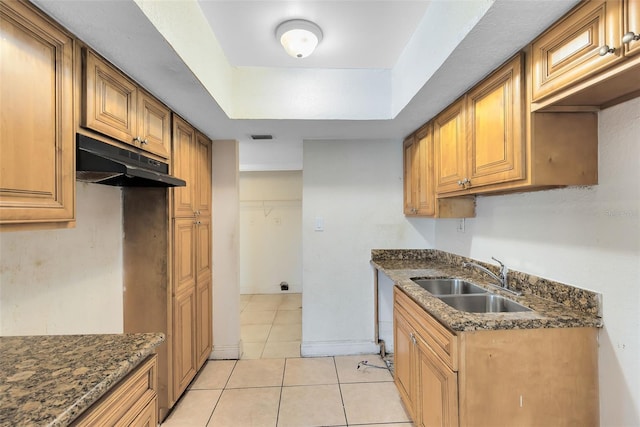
148 417
184 257
425 191
110 100
410 172
37 170
154 125
404 360
184 340
203 249
450 153
184 140
437 390
203 178
204 321
496 141
569 51
631 24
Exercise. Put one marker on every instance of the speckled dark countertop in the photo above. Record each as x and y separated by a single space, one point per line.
554 305
50 380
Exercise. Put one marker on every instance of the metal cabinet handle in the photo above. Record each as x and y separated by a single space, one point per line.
629 37
605 50
464 182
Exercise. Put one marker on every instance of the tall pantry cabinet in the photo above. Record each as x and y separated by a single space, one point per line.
167 264
191 223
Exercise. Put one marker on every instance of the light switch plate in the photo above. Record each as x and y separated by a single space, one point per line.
319 225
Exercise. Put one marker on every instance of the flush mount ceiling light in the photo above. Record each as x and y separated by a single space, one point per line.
299 37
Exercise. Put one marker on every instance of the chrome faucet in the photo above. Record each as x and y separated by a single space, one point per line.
501 278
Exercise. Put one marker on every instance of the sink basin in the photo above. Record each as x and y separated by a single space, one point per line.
448 286
486 303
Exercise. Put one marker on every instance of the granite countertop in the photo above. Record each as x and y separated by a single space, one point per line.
50 380
553 305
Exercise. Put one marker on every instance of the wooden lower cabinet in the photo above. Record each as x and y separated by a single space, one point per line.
526 377
132 402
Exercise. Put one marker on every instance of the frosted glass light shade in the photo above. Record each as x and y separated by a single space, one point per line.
299 37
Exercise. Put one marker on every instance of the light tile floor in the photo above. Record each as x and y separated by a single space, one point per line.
293 392
272 386
270 325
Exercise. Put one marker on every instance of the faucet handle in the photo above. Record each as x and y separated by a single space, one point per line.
503 268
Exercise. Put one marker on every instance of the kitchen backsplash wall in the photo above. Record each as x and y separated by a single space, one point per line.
66 281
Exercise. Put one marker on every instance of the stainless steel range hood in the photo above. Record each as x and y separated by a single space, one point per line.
102 163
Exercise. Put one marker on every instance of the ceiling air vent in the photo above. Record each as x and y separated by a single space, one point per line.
261 137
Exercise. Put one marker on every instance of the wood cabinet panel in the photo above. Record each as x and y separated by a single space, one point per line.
184 340
496 127
184 166
202 196
203 248
404 360
129 402
184 259
204 319
450 148
569 51
148 417
37 165
411 170
631 24
154 125
439 390
110 100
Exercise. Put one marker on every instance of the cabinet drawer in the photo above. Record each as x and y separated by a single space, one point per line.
128 399
442 341
569 51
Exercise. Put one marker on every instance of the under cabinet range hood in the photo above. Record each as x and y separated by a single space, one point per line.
102 163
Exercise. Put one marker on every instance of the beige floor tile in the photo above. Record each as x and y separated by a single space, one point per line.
310 406
281 333
252 350
281 350
194 409
257 317
254 333
257 373
291 302
373 403
407 424
310 371
348 372
261 305
245 297
288 317
213 375
249 407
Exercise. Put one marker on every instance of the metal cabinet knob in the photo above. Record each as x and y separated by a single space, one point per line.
144 141
629 37
605 50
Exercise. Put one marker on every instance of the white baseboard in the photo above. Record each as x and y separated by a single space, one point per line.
338 348
226 352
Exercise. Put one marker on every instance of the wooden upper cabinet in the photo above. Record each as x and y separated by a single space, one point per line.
631 24
115 106
583 43
154 125
450 148
37 160
495 118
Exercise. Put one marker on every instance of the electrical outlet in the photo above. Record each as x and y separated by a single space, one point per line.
461 225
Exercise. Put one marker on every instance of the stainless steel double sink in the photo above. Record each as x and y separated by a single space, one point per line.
465 296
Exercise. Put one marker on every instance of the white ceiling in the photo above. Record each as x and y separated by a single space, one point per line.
383 68
356 34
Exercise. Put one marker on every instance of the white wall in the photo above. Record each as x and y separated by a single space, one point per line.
588 237
226 290
356 187
66 281
270 231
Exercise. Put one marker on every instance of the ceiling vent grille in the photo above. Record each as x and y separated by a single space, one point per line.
261 137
